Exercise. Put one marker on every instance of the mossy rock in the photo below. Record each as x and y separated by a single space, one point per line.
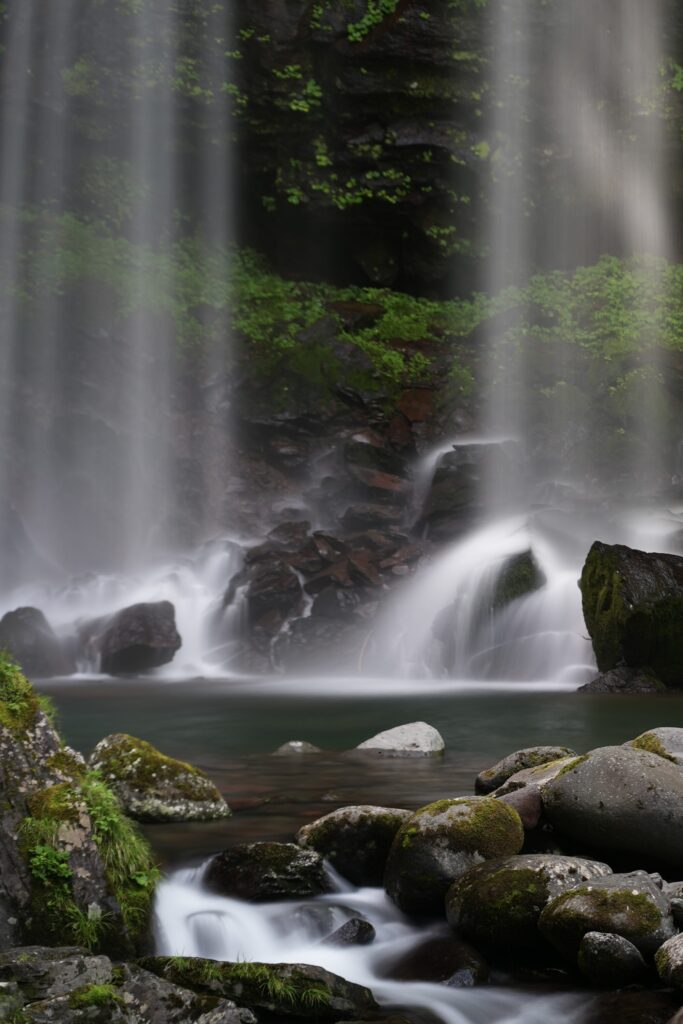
521 575
440 842
355 840
497 905
610 961
290 990
631 905
153 787
669 962
666 742
261 872
531 757
633 607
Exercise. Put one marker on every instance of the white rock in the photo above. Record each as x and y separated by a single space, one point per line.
413 738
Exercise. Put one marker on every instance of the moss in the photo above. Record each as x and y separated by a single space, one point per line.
521 575
499 910
140 765
482 825
650 742
571 915
66 762
94 995
19 704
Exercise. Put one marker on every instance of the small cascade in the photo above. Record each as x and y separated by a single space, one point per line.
193 922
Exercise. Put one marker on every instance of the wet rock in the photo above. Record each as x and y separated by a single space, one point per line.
631 1008
666 741
153 787
454 498
294 748
368 517
227 1013
530 757
290 535
669 962
157 1000
528 804
441 842
135 639
355 932
534 778
95 1006
355 840
624 680
443 959
631 905
620 799
610 961
414 738
290 990
11 1000
267 871
274 592
27 635
497 905
42 972
519 576
633 607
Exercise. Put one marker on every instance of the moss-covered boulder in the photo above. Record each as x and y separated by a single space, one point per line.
153 787
42 972
355 840
520 575
497 905
288 990
610 961
633 607
631 905
261 872
666 742
74 869
669 962
621 800
442 841
531 757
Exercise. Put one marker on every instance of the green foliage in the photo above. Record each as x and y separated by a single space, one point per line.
94 995
376 12
19 704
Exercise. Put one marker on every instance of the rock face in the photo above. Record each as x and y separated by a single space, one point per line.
415 738
136 639
154 787
620 799
633 607
355 840
440 842
27 635
497 905
43 972
530 757
624 680
632 906
289 990
60 830
267 871
610 961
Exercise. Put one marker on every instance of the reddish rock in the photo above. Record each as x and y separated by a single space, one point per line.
417 404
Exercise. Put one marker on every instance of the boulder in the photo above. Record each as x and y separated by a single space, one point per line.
355 840
158 1000
442 959
288 990
28 637
610 961
261 872
669 962
665 741
528 804
633 607
624 680
631 1007
440 842
530 757
153 787
631 905
69 860
43 972
94 1004
136 639
497 905
356 932
520 575
414 738
294 748
620 799
227 1013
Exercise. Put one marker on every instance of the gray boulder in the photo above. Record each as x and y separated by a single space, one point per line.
530 757
610 961
136 639
624 680
669 962
26 634
666 741
442 841
631 905
416 738
261 872
620 799
153 787
497 905
43 972
227 1013
355 840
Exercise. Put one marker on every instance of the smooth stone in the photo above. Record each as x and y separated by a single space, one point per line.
666 741
442 959
355 840
355 932
610 961
414 738
296 747
261 872
669 962
531 757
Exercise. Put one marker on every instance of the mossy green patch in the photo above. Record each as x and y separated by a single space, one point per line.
651 742
94 995
19 704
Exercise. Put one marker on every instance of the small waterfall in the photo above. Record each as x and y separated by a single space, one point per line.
193 922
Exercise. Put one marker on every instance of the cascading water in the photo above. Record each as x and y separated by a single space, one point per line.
553 497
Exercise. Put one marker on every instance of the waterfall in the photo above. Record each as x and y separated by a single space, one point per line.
580 87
